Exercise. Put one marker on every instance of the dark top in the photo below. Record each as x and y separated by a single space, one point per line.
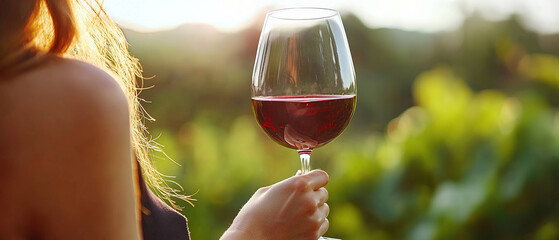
159 221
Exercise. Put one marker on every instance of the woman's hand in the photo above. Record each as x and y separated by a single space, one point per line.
294 208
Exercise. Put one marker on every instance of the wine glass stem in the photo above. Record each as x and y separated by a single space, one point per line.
305 156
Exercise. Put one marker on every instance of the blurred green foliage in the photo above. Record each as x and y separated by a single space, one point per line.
455 135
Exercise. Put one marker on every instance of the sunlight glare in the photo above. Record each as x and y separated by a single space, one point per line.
154 15
425 16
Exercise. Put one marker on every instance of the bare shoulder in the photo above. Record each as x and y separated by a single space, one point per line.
63 84
61 98
60 94
70 78
66 139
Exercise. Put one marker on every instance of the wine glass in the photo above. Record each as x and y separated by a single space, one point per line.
303 83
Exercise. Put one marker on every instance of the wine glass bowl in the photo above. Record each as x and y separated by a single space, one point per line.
303 83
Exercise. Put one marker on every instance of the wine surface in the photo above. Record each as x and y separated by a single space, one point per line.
303 121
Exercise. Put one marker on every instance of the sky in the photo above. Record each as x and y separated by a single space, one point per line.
412 15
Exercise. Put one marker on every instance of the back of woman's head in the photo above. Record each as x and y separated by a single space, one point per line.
32 30
29 28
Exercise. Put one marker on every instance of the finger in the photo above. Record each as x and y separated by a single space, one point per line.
324 211
317 179
321 195
262 190
321 213
323 227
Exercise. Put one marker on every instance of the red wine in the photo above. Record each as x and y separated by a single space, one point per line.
303 121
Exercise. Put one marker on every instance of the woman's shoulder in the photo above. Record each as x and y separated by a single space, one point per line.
62 87
67 77
58 104
66 137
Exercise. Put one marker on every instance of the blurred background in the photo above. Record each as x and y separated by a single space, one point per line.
455 134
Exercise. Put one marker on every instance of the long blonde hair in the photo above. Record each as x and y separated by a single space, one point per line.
80 29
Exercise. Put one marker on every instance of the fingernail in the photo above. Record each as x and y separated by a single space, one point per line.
298 173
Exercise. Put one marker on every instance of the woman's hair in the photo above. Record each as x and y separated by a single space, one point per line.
80 29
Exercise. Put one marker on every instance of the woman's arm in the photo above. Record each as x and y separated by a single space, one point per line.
72 124
291 209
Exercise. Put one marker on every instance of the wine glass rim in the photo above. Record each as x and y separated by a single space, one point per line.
327 13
